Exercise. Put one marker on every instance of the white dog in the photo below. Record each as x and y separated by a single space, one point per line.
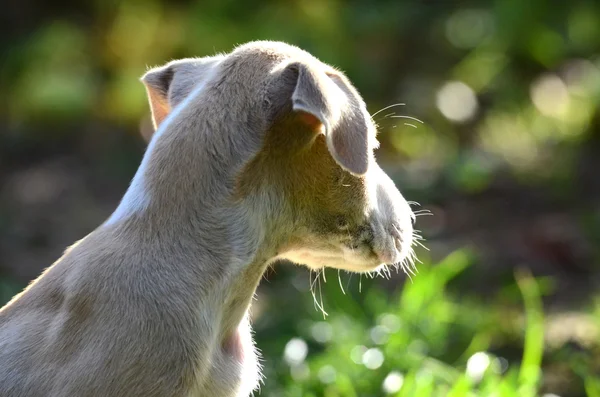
265 153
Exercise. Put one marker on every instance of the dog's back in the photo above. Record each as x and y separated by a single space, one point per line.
96 312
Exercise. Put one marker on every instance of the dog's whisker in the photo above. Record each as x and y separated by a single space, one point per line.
321 296
318 306
349 280
386 108
407 117
407 269
421 245
413 259
340 282
421 212
312 289
310 280
416 258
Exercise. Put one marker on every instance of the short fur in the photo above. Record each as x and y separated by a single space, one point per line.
262 154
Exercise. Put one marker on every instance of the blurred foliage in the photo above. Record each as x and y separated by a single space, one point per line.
468 95
499 83
424 342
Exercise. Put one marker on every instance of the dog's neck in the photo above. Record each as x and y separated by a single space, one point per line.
180 204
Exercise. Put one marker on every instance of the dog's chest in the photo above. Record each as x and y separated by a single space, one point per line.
234 370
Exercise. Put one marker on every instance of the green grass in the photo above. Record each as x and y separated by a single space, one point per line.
425 341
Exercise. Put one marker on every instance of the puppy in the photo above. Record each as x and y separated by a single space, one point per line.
261 154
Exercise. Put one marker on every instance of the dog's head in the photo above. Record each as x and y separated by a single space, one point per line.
310 171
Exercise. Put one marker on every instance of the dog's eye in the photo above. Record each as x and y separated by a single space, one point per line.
341 180
339 176
266 103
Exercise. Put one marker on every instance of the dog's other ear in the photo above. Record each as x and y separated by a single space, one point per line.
332 100
157 82
168 85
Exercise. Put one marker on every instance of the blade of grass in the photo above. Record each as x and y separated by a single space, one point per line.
530 371
592 386
461 388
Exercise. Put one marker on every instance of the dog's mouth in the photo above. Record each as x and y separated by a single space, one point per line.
366 250
338 256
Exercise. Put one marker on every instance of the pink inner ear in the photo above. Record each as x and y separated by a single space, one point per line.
311 120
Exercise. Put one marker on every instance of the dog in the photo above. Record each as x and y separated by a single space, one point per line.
262 154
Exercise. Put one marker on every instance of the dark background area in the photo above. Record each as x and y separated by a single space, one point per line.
500 140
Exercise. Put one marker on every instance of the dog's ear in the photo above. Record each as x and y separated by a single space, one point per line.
168 85
332 100
157 82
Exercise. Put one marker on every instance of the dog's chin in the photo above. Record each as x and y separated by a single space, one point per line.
357 260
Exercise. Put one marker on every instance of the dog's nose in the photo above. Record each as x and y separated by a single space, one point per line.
389 248
388 255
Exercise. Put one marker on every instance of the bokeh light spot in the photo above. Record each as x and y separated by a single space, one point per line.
549 95
468 28
373 358
477 364
379 334
327 374
391 322
393 382
457 102
356 355
321 332
295 351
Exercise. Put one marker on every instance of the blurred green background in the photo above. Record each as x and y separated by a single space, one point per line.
502 145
